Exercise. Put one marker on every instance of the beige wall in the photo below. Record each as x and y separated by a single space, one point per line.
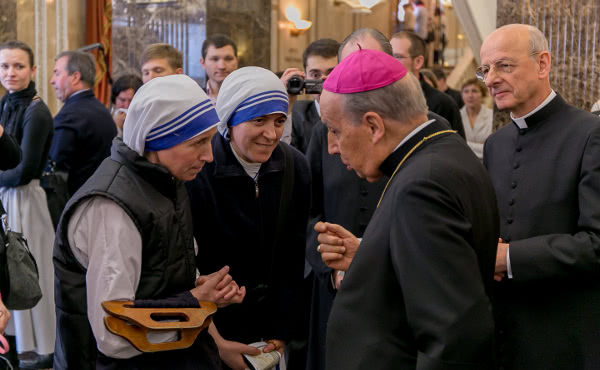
43 25
330 20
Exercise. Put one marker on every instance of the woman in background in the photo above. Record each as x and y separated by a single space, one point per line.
27 118
121 94
476 118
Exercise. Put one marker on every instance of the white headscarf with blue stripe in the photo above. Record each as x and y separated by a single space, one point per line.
248 93
167 111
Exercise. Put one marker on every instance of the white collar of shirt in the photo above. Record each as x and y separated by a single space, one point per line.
520 122
208 92
414 132
250 168
318 107
78 92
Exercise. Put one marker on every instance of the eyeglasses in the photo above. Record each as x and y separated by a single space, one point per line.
400 57
501 66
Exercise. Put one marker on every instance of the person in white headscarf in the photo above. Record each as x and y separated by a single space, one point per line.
126 235
250 208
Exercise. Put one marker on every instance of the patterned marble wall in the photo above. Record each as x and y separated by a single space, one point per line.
138 23
8 20
573 31
248 23
185 24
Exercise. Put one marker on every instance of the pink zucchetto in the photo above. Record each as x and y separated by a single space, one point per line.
364 70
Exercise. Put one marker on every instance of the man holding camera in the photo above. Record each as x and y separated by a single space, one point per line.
319 59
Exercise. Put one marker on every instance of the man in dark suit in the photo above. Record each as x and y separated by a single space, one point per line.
545 169
416 293
83 129
410 50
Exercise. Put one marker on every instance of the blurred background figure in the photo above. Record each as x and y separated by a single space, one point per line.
596 107
430 78
27 118
159 60
219 59
121 93
421 19
441 77
476 118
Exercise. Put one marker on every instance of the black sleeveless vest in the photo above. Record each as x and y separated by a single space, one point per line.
160 209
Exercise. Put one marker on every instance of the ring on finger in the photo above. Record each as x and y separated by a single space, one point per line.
319 248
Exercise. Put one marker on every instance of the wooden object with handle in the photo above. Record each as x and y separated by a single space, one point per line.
134 324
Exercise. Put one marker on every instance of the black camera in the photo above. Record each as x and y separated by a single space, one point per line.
297 83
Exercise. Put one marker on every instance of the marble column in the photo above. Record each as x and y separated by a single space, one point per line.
572 28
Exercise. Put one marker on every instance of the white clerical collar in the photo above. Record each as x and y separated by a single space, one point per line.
414 132
250 168
318 107
520 122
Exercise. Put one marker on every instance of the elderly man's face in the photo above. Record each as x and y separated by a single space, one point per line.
61 80
350 140
514 78
185 160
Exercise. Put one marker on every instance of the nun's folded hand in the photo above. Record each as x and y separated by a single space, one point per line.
219 288
337 245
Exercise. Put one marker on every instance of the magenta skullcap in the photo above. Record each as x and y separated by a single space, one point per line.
364 70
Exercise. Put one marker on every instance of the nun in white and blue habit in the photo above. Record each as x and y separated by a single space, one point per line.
251 207
127 235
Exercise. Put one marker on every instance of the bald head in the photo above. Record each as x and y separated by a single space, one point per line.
367 38
516 64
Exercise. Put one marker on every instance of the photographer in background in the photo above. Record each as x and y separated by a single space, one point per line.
319 59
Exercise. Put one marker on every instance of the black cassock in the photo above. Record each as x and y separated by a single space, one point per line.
547 181
338 196
416 293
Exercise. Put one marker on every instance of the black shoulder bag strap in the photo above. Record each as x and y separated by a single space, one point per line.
287 186
4 286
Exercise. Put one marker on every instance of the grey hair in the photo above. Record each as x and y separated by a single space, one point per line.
402 101
360 34
537 41
82 62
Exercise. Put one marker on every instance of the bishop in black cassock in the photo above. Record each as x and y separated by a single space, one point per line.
416 294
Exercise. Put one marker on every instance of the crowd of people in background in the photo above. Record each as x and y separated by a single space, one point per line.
361 228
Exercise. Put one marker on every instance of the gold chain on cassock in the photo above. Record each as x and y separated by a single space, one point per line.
408 155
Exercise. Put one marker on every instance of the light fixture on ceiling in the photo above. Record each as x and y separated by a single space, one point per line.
359 6
295 24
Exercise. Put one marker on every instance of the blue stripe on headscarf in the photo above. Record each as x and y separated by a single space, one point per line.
259 109
262 95
184 132
156 131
